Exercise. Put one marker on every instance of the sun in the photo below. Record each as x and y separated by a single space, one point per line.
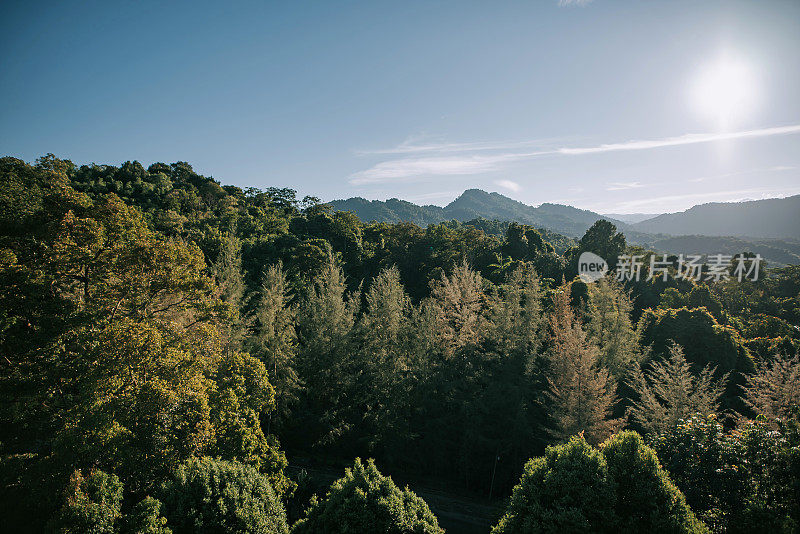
725 91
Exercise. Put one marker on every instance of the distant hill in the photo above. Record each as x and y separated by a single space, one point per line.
631 218
474 204
772 218
776 252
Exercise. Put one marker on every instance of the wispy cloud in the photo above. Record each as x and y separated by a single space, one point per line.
618 186
775 168
411 169
688 139
508 184
565 3
447 159
692 198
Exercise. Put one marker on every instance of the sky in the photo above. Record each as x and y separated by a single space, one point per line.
613 106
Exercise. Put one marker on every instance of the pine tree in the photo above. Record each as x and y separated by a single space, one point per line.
516 313
227 272
380 387
274 341
325 360
669 392
774 389
581 395
462 307
610 326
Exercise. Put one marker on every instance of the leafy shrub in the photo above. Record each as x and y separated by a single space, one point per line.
216 496
576 488
93 504
566 490
747 480
646 499
365 501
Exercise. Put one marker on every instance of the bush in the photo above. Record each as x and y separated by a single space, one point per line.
576 488
646 498
747 480
566 490
217 496
93 504
365 501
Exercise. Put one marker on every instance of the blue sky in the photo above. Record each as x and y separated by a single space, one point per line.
635 106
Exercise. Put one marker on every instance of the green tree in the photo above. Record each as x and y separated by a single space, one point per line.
610 326
92 504
646 499
216 496
366 501
274 341
576 488
566 490
740 480
325 361
461 301
669 392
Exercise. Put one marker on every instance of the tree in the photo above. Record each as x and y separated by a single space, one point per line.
93 504
207 495
325 361
566 490
581 392
773 390
610 326
646 499
145 518
704 340
602 239
274 341
380 389
516 317
366 501
227 272
741 480
669 392
576 488
461 301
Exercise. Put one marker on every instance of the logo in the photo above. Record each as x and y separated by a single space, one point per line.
591 267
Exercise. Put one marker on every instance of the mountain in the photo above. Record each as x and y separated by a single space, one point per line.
474 204
777 218
631 218
776 252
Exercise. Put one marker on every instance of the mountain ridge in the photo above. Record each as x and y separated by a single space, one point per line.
474 204
777 218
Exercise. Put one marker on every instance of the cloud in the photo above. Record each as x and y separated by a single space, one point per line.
414 146
449 159
688 139
618 186
690 199
776 168
508 184
411 169
565 3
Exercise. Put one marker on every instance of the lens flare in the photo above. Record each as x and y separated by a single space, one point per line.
725 91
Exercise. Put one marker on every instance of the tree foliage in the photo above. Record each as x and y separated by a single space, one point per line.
366 501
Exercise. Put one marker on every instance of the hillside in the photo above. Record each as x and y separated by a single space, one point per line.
771 218
631 218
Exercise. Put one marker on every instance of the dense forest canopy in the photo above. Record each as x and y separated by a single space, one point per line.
168 345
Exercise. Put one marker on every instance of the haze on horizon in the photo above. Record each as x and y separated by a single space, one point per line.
616 107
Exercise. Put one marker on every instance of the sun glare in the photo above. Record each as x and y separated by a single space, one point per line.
725 91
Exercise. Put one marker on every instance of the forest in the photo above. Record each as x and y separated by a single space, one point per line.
177 354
